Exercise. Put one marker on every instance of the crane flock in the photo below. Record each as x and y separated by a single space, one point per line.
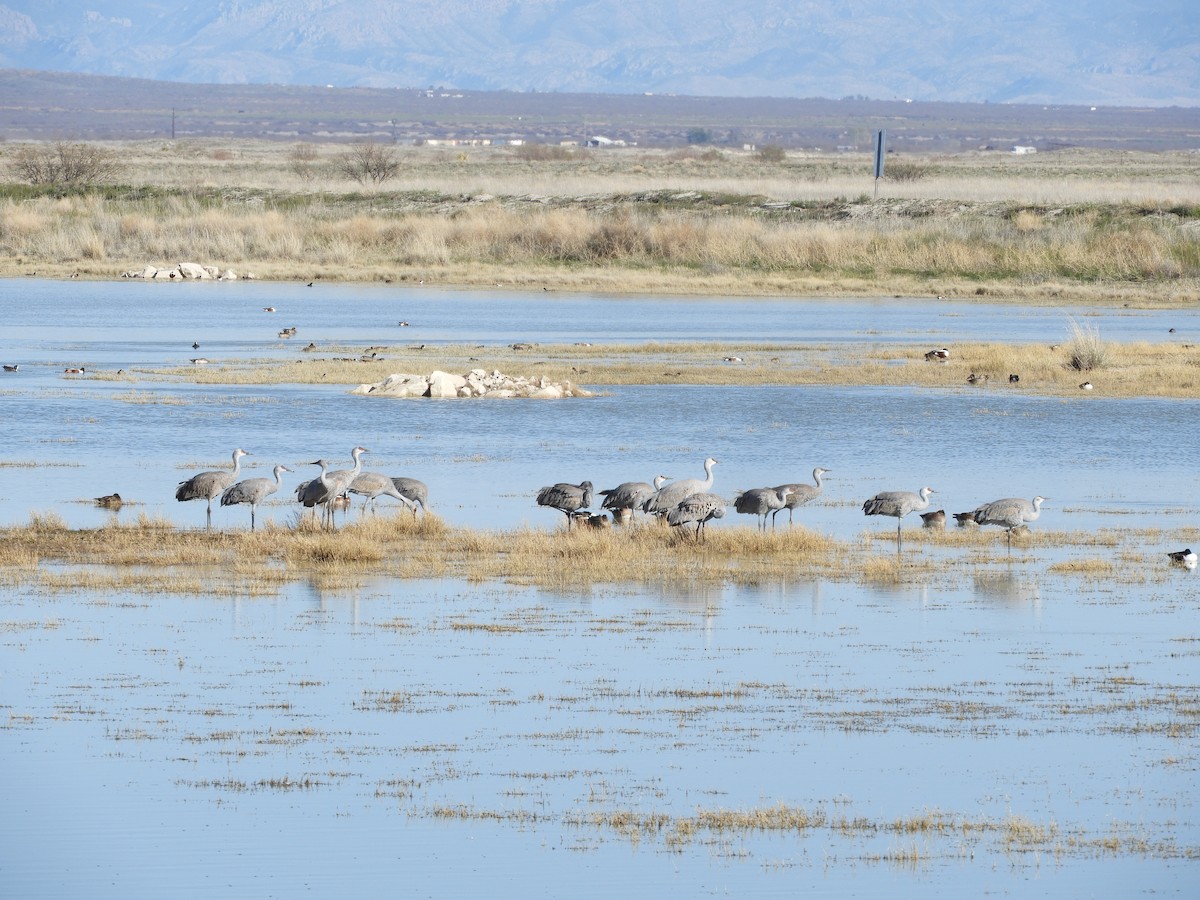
687 501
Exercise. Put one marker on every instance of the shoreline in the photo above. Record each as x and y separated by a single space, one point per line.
680 283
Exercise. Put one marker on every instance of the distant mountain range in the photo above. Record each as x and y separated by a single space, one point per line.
1109 52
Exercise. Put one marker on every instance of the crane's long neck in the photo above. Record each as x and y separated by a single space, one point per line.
817 478
237 465
708 481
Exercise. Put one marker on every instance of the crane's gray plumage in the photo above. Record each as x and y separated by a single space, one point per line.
628 496
762 502
329 486
898 504
698 508
1009 513
374 485
310 493
801 493
209 485
414 490
566 498
667 497
253 491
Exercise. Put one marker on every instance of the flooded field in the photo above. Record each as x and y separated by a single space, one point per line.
961 722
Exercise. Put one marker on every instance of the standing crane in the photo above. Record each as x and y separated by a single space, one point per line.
898 504
209 485
254 491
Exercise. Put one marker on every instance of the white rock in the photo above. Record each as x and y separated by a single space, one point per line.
193 270
444 384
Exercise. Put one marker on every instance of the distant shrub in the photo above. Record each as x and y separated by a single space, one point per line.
369 162
904 170
699 136
771 153
549 152
1087 351
222 155
301 161
62 163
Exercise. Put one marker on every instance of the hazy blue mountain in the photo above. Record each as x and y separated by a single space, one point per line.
1126 52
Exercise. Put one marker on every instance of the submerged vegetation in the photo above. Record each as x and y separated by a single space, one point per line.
1065 227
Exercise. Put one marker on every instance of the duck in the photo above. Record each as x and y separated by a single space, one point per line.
199 361
1086 386
74 371
977 379
110 501
11 368
268 309
941 355
1186 558
935 520
1014 379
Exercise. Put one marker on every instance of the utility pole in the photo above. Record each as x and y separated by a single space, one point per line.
172 123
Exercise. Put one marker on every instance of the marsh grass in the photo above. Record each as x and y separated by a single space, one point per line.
1086 350
1071 227
150 555
1138 369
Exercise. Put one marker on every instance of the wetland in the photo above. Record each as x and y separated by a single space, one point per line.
477 698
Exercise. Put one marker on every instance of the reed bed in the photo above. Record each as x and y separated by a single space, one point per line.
642 222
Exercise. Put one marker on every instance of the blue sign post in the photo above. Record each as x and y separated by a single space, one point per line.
879 142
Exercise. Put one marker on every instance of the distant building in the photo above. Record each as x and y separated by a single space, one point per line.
1020 151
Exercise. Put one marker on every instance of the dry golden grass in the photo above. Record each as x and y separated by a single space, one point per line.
1067 227
152 556
1165 369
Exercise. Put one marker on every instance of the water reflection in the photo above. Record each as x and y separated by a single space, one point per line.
1016 590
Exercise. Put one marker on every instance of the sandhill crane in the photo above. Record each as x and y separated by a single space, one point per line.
209 485
415 490
1009 513
801 493
373 485
898 504
762 502
628 496
566 498
698 508
329 486
668 496
253 491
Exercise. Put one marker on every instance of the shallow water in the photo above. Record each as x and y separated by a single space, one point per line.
454 738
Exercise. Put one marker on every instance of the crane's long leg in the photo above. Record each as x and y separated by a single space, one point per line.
251 516
208 527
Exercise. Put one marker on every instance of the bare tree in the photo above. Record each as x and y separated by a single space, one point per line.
369 162
63 163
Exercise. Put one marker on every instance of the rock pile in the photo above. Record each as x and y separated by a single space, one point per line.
184 271
476 383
